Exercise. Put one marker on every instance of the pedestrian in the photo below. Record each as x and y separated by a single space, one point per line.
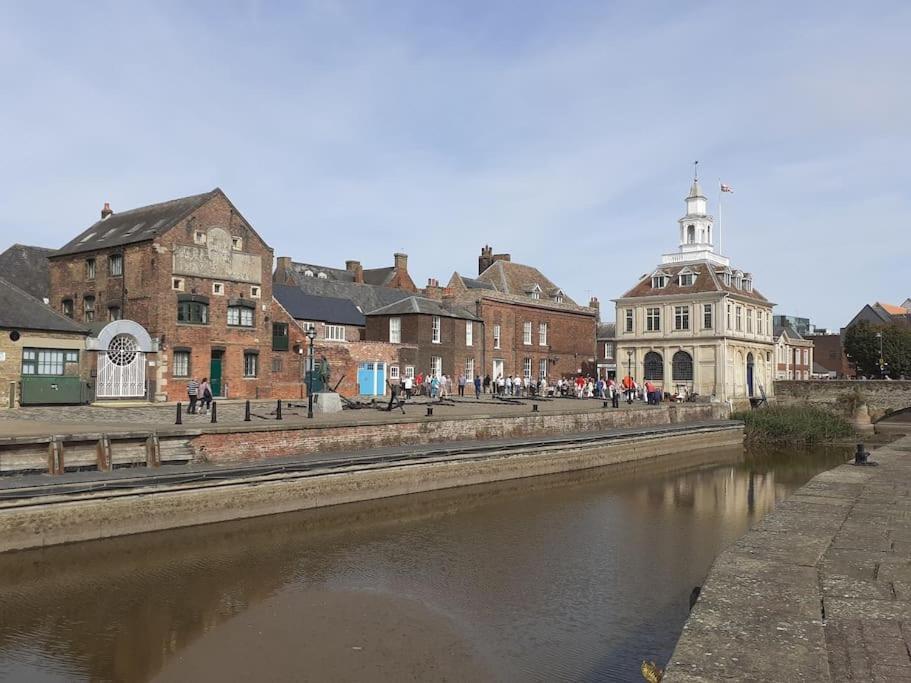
395 398
501 385
462 384
205 394
193 395
409 386
428 381
419 382
434 387
477 386
486 384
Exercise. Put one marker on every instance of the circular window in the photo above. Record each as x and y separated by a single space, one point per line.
14 335
122 350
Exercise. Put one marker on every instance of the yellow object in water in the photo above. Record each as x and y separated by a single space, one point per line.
651 672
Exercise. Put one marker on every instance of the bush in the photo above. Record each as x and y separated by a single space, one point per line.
801 425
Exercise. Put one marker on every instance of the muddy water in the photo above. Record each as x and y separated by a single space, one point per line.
575 577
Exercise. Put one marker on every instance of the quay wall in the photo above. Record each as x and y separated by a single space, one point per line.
65 519
882 397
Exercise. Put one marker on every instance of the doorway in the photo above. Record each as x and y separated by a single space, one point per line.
750 375
497 370
215 371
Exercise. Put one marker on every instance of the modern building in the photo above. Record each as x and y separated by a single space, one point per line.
695 323
532 328
171 291
42 353
801 326
793 354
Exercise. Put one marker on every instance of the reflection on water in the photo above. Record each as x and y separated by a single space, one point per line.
575 577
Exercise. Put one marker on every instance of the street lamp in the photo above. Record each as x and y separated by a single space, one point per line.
879 335
311 333
629 373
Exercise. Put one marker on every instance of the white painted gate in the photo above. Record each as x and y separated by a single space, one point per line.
121 369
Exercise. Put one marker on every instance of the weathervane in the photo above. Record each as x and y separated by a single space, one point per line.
695 170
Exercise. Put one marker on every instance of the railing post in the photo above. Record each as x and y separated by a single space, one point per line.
214 412
429 411
179 420
153 451
247 411
103 459
278 410
55 456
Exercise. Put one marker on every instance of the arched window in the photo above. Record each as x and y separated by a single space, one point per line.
682 365
691 234
654 366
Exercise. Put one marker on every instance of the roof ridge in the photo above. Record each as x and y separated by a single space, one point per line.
164 203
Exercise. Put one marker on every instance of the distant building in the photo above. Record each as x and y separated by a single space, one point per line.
28 268
694 323
606 351
793 354
801 326
881 314
829 356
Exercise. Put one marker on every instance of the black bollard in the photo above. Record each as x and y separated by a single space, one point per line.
604 404
214 412
179 420
860 455
247 412
534 407
429 411
278 410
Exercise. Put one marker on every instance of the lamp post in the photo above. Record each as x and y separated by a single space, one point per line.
629 373
311 333
882 365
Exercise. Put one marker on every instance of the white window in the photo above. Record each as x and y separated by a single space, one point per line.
727 279
558 299
199 237
393 372
181 364
687 279
469 369
749 320
435 329
322 276
241 316
335 332
629 319
115 264
526 368
535 294
308 273
251 364
542 368
542 334
738 317
218 288
759 321
436 365
653 319
237 243
395 330
681 317
469 333
748 284
90 269
409 372
177 283
707 322
659 281
608 349
496 336
729 317
526 333
255 292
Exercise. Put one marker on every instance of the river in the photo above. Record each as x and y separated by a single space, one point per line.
571 577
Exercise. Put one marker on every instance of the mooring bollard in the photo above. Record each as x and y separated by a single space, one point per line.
179 420
247 411
278 410
534 407
604 404
214 412
429 411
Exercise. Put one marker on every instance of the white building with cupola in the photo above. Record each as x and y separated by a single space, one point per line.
695 324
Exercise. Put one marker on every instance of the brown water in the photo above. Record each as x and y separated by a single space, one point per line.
575 577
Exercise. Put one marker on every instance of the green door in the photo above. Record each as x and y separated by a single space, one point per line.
215 372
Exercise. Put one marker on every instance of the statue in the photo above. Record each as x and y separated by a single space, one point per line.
323 372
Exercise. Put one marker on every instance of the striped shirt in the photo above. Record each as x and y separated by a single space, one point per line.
193 388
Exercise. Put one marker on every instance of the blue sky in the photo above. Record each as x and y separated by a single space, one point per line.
563 133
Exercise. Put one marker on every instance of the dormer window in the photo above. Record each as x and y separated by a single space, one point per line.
686 278
322 276
738 280
748 284
659 281
558 299
535 295
308 273
727 279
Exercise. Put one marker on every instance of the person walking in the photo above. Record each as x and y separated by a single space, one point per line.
486 384
205 395
192 395
462 385
477 386
409 386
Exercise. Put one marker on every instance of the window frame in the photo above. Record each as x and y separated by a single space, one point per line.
469 333
333 332
251 360
88 309
630 322
653 319
175 365
245 316
682 318
496 335
115 265
542 334
708 316
395 330
526 333
200 307
37 359
91 268
436 329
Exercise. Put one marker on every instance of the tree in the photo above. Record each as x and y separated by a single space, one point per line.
862 347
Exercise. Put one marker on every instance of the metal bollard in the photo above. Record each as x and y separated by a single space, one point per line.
247 411
604 404
278 410
214 412
429 411
534 407
179 420
860 455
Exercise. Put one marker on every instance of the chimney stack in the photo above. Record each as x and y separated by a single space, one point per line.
356 268
401 262
594 303
106 211
433 289
488 258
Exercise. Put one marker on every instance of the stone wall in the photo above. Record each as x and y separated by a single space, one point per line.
11 358
881 397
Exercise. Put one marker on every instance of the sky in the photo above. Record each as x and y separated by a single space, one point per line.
563 133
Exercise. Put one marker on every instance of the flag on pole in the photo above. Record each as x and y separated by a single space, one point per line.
727 188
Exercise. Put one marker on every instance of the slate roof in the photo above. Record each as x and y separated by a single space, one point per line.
135 225
892 309
515 278
777 330
707 280
366 297
19 310
607 331
424 306
379 276
28 268
325 309
471 283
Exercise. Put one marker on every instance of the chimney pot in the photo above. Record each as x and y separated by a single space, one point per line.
401 262
106 211
352 266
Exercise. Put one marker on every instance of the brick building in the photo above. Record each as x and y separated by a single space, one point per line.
606 351
829 356
171 291
42 353
441 338
531 328
793 354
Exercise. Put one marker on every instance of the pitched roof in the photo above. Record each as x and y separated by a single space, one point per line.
366 297
787 330
135 225
607 331
515 278
325 309
379 276
892 309
20 310
707 280
422 305
28 268
472 283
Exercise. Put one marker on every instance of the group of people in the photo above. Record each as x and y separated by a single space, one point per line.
199 395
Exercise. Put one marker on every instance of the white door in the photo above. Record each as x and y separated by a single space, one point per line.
497 370
121 369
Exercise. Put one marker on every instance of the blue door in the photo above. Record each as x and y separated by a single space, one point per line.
371 379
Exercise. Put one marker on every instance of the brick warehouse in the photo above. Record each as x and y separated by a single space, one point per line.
173 290
531 327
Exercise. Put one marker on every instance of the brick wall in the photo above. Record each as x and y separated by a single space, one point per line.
881 397
11 355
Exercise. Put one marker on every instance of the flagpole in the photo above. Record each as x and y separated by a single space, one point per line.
718 231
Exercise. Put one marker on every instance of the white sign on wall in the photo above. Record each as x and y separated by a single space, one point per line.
2 356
